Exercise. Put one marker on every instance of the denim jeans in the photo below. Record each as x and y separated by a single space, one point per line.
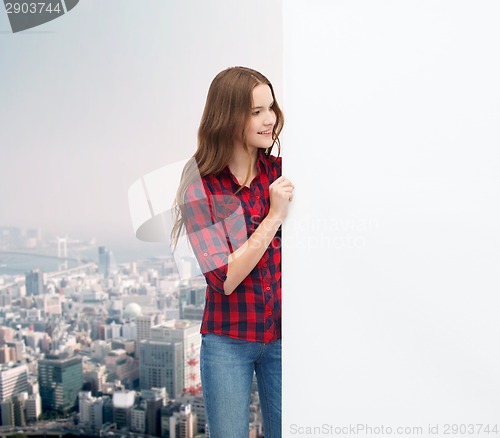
227 366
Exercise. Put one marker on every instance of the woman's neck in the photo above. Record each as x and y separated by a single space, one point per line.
239 164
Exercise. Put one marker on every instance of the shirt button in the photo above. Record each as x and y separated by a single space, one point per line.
257 197
205 254
268 288
269 312
265 265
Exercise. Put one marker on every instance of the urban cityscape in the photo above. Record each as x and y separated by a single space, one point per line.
92 347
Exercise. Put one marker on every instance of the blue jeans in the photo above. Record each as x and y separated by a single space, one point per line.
227 366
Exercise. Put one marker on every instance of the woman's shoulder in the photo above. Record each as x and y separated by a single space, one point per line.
273 163
196 190
275 160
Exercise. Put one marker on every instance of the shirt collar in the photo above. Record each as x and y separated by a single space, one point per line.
262 162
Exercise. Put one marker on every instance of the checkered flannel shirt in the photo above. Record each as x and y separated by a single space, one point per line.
218 222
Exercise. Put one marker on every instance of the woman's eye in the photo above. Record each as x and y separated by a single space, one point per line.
255 113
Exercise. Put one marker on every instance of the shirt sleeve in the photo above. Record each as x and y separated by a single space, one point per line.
215 228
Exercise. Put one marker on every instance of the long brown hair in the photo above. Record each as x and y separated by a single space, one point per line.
227 111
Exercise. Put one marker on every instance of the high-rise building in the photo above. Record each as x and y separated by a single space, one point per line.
34 283
154 393
17 350
4 354
144 324
153 416
33 339
107 409
14 411
33 386
160 365
7 408
104 261
198 407
5 299
60 379
154 399
129 330
183 422
188 334
112 331
84 404
13 381
100 349
91 410
97 413
20 409
33 407
166 412
123 402
122 367
45 343
49 304
6 334
194 313
95 375
138 418
122 344
192 294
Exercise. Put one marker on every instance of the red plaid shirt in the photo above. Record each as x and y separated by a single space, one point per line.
218 222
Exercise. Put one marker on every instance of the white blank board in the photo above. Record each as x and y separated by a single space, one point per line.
391 252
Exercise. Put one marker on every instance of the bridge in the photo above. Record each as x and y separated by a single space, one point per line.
85 267
47 256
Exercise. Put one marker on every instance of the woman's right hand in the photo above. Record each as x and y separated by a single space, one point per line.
280 195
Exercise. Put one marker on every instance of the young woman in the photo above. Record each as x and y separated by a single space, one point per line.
232 201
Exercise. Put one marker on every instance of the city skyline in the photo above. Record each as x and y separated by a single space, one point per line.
105 345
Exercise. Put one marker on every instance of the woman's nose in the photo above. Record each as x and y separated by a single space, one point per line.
271 118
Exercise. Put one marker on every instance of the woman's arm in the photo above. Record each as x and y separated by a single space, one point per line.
245 258
212 243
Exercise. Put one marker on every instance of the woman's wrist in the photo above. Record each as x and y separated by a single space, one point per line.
273 221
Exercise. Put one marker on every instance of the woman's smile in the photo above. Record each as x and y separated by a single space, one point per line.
269 132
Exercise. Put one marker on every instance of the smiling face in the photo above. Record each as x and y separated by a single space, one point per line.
259 129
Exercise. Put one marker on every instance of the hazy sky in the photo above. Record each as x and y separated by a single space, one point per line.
92 101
